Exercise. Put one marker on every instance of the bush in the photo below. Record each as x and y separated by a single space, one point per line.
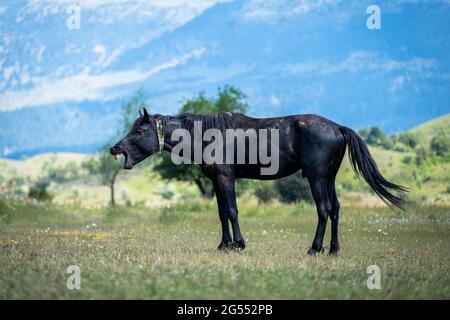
400 147
40 193
407 159
266 192
294 188
408 139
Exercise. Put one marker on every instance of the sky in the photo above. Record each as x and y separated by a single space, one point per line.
67 80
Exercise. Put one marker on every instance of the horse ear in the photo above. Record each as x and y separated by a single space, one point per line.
146 115
140 114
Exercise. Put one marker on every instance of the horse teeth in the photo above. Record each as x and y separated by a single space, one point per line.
116 157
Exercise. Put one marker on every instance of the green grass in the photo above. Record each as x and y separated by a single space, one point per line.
170 252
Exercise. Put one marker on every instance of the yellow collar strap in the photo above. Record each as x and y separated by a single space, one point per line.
160 134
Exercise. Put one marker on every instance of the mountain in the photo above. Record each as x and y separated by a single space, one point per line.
61 88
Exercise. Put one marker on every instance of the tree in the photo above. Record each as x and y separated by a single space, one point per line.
440 144
102 164
108 169
229 99
364 133
376 137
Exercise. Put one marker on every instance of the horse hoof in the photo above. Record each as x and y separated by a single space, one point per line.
312 252
224 246
333 252
238 245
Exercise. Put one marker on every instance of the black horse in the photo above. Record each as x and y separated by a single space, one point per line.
309 143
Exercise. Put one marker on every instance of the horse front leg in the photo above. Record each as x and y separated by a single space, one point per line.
226 199
226 241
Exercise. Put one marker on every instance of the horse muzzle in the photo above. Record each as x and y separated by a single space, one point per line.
116 151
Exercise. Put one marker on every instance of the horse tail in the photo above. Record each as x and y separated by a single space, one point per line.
364 166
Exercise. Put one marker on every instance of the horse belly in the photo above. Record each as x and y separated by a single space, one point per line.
254 171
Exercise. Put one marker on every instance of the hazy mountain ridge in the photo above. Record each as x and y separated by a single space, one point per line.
62 89
31 131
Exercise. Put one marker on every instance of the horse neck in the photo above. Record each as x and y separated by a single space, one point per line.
169 126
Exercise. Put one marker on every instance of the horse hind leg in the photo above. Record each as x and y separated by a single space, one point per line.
334 217
319 190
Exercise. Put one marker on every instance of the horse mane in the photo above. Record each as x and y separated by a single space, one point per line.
220 120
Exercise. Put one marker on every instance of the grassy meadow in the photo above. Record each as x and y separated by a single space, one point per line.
170 252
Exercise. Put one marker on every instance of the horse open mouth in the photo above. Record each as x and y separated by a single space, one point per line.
127 164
